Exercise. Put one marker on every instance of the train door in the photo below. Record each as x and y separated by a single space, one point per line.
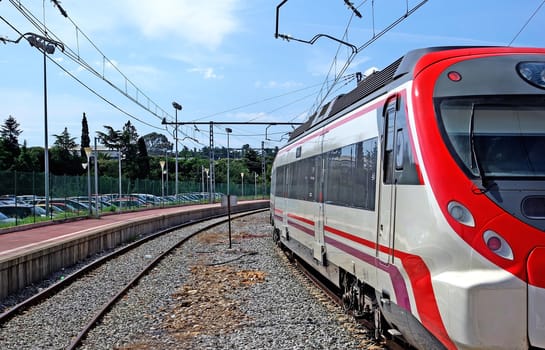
285 193
387 187
319 239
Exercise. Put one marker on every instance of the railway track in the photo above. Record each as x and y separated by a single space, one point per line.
97 288
330 296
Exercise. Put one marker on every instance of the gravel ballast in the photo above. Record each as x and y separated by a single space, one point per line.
209 296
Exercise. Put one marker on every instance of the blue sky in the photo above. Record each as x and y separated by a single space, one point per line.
219 59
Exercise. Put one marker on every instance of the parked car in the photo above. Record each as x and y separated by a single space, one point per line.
21 210
4 219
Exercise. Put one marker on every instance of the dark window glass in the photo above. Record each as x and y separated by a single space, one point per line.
349 177
508 134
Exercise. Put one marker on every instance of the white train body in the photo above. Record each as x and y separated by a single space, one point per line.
375 196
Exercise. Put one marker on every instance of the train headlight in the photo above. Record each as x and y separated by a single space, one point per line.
498 245
460 214
533 73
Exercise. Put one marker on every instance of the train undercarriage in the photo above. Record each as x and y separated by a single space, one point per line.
368 306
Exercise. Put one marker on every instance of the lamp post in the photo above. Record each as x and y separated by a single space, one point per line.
206 170
177 107
228 131
255 185
162 164
47 46
166 172
242 177
96 179
88 153
202 179
119 157
84 166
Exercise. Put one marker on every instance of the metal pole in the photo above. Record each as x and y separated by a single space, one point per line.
229 216
263 169
89 184
242 181
162 164
228 130
211 174
120 187
96 179
177 107
46 146
176 165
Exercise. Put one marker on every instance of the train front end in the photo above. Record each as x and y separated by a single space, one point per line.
479 117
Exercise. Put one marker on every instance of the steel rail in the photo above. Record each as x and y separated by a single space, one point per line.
66 282
111 303
333 295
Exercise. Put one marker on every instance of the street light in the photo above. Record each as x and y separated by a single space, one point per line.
228 131
162 164
255 185
242 177
96 178
177 107
47 46
120 156
88 153
84 165
202 179
206 170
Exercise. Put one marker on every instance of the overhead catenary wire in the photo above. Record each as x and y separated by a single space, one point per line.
150 106
87 86
321 98
76 57
526 23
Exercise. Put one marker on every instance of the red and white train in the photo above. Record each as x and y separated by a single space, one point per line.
421 194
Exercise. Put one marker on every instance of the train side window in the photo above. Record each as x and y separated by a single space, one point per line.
399 149
389 134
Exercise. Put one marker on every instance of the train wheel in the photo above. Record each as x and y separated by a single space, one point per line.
276 235
347 297
378 322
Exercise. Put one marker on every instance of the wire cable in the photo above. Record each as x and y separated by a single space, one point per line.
527 22
85 85
76 57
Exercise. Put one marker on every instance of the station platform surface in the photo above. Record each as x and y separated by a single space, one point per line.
14 243
30 253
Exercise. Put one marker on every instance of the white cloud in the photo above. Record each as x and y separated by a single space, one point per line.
272 84
207 73
202 23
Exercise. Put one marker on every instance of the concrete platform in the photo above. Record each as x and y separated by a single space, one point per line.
31 255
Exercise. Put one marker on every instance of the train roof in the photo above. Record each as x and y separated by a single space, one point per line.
370 84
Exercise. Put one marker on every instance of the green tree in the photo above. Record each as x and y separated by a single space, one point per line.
64 155
85 140
9 143
27 160
252 161
142 160
126 142
157 144
129 148
110 138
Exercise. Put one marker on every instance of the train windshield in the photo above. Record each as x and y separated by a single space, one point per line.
496 137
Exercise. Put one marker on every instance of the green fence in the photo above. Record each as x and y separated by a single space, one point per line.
33 184
30 186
